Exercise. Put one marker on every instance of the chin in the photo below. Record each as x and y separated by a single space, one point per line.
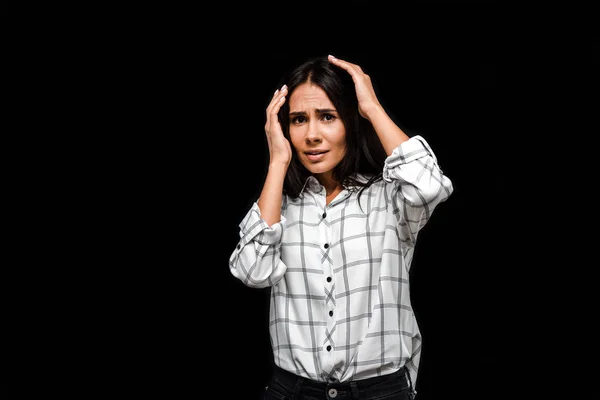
317 169
320 167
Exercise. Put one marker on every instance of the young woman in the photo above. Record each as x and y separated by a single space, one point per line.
333 233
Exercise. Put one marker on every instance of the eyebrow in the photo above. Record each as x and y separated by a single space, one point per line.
318 111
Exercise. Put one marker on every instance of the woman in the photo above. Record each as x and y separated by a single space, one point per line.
333 233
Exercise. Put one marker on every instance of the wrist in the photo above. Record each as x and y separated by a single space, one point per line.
280 166
374 111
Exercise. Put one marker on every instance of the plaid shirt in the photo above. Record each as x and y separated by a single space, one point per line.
340 304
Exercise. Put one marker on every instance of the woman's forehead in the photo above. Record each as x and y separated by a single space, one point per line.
309 96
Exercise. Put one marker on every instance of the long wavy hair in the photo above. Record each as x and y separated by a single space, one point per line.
364 152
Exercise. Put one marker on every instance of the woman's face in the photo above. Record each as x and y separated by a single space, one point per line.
318 134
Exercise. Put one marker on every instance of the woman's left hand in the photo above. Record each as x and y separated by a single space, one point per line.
367 99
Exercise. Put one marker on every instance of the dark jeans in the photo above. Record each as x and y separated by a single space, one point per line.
284 385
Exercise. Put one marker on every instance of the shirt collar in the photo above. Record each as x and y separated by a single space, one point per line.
312 184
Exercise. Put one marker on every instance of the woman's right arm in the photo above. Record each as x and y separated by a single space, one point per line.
280 155
256 259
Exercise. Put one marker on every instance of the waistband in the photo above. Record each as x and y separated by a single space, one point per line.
301 383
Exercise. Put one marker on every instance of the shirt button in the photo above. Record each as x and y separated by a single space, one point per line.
239 246
324 215
331 313
332 393
328 348
326 245
328 279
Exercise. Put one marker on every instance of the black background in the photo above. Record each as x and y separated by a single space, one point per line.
150 148
190 88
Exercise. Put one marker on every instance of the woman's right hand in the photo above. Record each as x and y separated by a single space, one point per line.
280 150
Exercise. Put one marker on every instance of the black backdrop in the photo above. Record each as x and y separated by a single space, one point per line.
194 92
443 86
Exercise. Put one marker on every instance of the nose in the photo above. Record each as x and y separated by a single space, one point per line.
312 134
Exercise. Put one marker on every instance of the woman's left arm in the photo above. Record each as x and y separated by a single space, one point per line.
370 108
418 183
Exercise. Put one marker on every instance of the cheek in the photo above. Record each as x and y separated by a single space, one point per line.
339 141
296 139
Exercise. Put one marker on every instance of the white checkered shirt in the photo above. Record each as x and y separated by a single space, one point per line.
340 304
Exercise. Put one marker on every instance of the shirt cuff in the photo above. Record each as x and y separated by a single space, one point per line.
253 227
407 152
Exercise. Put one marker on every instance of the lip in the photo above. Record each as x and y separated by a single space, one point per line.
316 157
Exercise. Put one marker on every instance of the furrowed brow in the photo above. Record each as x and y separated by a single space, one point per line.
318 111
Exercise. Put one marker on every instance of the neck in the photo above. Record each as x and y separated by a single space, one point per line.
331 186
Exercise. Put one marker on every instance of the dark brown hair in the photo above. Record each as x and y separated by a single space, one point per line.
364 151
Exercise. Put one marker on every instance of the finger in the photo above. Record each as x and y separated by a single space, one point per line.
348 66
274 107
277 100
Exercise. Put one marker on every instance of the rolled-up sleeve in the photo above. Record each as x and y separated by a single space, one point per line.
417 185
256 260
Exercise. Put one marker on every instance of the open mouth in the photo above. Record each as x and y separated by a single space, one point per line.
315 155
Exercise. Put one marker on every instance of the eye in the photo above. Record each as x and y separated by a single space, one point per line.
328 117
298 120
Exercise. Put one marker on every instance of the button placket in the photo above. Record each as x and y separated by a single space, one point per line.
326 229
